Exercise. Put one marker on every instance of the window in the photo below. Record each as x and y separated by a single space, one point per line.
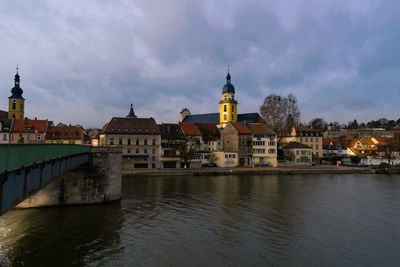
28 136
225 117
306 139
316 146
137 151
271 151
4 137
272 143
129 141
153 151
145 141
12 136
311 140
145 151
153 158
129 151
301 139
111 141
154 142
224 108
39 137
13 105
137 141
120 141
316 139
297 152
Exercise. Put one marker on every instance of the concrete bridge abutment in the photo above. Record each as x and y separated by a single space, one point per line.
96 182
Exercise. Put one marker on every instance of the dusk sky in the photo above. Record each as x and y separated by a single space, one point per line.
87 61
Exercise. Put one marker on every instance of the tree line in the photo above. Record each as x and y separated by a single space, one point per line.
281 113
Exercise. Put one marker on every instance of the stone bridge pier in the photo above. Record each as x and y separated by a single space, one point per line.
97 182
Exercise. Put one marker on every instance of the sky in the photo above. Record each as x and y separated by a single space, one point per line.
87 61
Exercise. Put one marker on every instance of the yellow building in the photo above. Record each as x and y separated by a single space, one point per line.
228 104
16 101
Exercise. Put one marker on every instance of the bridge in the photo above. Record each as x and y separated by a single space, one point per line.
27 168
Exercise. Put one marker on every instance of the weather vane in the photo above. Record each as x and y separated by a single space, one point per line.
17 68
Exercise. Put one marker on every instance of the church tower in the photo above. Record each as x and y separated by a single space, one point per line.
228 104
16 103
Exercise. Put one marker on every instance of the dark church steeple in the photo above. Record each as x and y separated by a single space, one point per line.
16 105
131 113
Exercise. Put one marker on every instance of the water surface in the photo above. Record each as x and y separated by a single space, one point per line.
318 220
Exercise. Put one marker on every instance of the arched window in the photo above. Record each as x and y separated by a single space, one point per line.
233 108
224 108
224 117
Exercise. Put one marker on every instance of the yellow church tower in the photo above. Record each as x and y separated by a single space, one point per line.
16 101
228 104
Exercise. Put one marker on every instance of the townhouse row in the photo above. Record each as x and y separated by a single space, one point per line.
189 145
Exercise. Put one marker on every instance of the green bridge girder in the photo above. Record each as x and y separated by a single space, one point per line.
14 156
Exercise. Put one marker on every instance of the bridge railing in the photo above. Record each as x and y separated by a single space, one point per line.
24 169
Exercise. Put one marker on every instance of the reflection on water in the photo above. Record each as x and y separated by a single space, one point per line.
222 220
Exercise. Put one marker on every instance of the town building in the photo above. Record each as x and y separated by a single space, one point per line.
226 159
228 110
28 131
237 138
139 138
193 153
297 153
307 136
335 147
172 141
65 135
16 103
264 145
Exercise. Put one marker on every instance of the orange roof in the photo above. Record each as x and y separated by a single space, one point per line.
260 128
29 126
190 129
241 127
64 133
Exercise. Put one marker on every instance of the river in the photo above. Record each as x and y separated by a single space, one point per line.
292 220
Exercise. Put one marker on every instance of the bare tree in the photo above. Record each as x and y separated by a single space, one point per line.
281 113
186 148
318 124
212 158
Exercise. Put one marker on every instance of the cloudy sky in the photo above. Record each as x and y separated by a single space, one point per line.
86 61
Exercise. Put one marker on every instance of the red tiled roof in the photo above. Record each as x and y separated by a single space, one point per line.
190 129
327 142
209 130
131 125
241 128
64 133
3 115
260 128
28 126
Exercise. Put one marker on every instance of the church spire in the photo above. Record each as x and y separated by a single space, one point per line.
131 113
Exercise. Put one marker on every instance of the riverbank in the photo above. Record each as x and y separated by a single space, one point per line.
323 169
